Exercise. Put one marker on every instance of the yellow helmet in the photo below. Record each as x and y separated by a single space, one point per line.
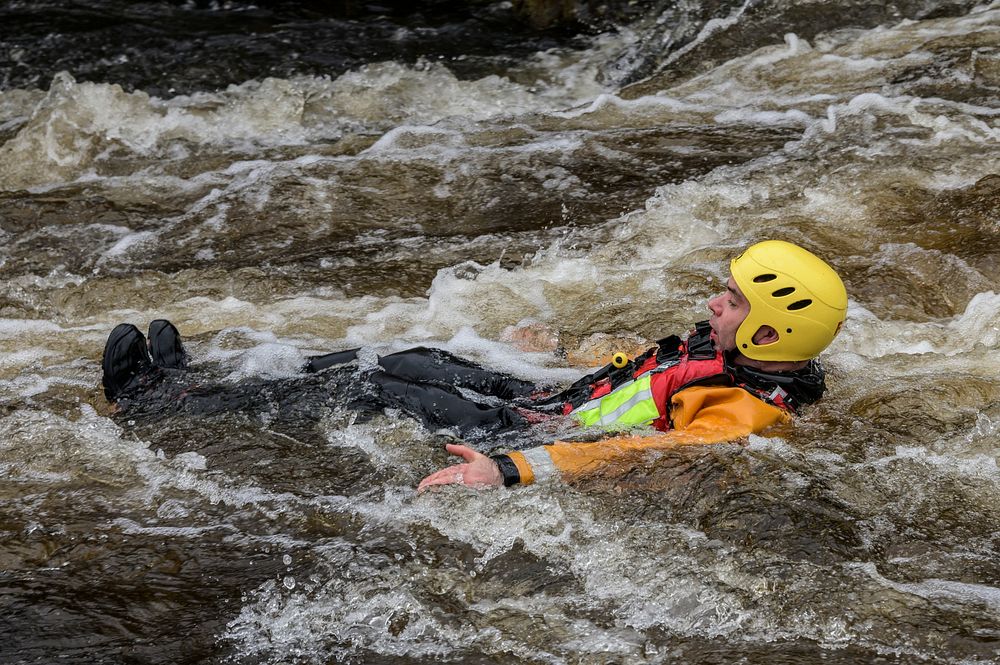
793 291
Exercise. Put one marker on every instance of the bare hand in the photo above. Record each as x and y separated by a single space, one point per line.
479 471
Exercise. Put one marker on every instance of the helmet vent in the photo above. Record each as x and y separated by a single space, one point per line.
783 292
766 277
800 304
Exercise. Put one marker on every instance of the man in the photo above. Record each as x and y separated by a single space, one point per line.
749 367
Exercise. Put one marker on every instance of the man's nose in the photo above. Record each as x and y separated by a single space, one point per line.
713 305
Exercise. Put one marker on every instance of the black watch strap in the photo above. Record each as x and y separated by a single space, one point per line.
511 476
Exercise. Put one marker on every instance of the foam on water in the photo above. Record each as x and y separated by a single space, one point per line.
942 591
981 466
977 328
638 591
252 353
92 445
14 328
37 446
711 27
76 126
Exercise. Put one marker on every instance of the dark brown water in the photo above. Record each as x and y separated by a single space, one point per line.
275 189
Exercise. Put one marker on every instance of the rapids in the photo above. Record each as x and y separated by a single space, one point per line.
286 184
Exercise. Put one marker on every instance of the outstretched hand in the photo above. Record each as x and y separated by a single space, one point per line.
478 471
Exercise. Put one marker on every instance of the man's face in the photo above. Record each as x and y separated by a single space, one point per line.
728 311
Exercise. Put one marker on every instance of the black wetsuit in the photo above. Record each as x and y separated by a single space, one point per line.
433 385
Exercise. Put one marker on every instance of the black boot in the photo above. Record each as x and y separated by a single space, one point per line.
126 362
165 345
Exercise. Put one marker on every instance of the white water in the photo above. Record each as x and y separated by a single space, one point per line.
902 452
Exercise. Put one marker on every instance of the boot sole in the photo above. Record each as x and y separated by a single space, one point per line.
117 360
165 345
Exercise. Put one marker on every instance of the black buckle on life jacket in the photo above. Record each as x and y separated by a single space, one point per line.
699 343
668 349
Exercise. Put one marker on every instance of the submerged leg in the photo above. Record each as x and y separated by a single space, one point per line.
319 363
439 406
441 368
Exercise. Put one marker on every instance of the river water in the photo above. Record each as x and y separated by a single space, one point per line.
281 181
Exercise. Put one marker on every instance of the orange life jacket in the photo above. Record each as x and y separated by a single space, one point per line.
675 364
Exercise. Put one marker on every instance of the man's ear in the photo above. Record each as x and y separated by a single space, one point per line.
765 335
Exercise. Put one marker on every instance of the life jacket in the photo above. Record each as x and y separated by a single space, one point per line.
640 392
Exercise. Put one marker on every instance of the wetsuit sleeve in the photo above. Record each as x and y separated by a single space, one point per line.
701 414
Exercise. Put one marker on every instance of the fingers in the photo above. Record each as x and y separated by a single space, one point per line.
465 452
450 476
